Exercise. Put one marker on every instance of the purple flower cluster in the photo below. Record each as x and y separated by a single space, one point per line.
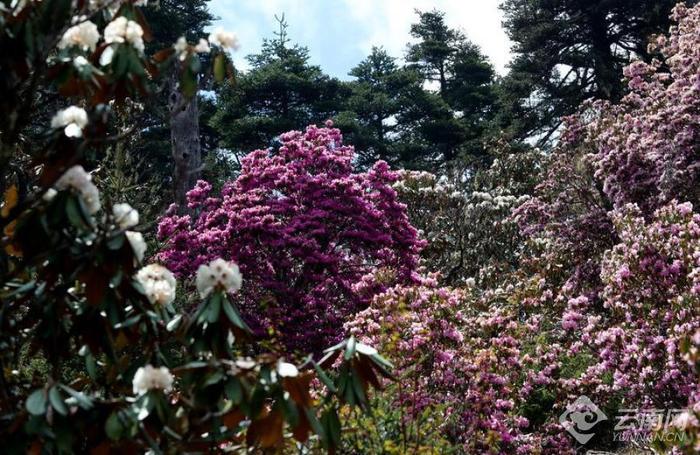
315 240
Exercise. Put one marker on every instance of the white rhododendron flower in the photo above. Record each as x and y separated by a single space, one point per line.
77 179
222 38
138 244
202 47
180 47
122 30
218 273
149 378
158 283
287 370
125 215
84 35
72 119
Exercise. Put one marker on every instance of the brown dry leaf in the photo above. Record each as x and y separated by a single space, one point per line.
266 432
233 418
35 448
298 388
10 201
102 449
11 248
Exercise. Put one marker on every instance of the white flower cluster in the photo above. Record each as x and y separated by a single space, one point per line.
137 242
121 30
495 202
218 274
72 119
77 179
158 283
222 38
84 35
181 47
125 215
149 378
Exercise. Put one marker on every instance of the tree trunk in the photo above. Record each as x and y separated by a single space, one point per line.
185 144
604 62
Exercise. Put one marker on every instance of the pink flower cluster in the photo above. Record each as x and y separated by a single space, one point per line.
606 294
646 146
448 353
652 302
305 229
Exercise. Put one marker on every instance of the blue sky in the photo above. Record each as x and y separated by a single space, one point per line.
340 33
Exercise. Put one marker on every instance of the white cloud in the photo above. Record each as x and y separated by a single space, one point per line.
389 23
339 33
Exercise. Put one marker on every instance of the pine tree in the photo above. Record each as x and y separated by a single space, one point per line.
568 51
282 91
464 81
378 95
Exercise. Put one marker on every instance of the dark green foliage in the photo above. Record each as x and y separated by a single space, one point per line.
465 85
568 51
151 140
281 92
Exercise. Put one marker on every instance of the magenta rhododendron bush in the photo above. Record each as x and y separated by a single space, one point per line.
314 239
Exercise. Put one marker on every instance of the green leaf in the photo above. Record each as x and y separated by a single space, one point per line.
174 323
350 348
234 316
73 212
376 358
315 424
214 378
195 64
57 401
234 391
83 400
188 83
359 391
36 403
116 242
128 323
324 378
291 412
91 365
193 365
144 406
214 308
219 67
331 423
335 347
114 427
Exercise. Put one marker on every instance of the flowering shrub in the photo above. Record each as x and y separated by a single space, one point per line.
315 238
460 359
470 232
645 148
652 298
599 295
94 355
